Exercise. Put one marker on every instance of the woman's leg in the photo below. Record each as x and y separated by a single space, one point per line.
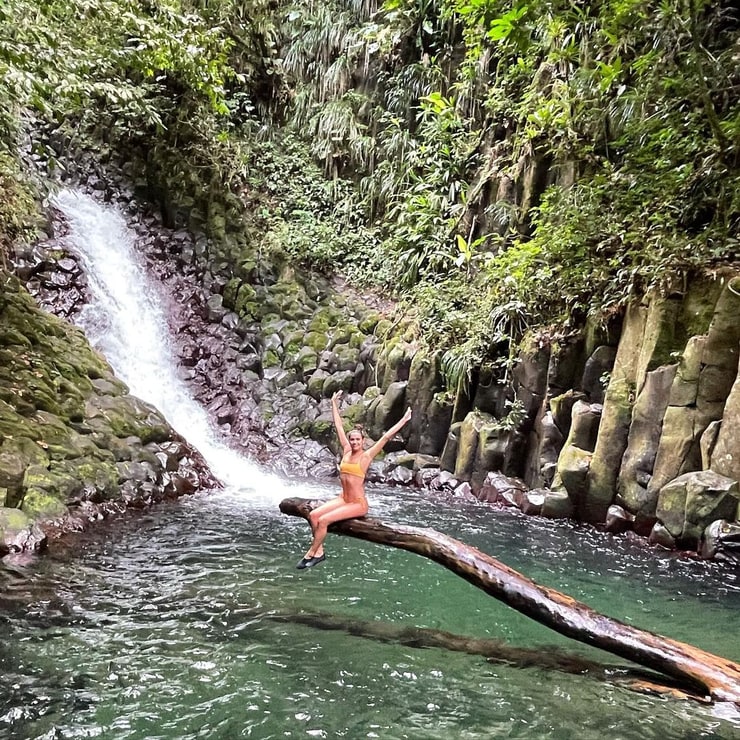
324 508
321 523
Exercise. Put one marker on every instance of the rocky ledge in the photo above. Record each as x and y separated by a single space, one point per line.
74 445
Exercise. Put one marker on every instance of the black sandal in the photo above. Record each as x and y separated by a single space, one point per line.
310 562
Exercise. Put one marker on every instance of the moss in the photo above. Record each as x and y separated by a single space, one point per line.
245 302
39 504
369 322
271 359
292 341
322 430
13 520
316 340
383 328
230 293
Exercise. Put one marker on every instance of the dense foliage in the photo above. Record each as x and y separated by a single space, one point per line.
504 164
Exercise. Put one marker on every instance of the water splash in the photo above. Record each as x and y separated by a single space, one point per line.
125 320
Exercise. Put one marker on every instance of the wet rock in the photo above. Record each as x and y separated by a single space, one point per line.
426 477
721 540
498 487
533 501
618 520
399 475
557 505
464 491
662 537
215 310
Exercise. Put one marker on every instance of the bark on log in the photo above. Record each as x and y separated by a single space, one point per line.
711 675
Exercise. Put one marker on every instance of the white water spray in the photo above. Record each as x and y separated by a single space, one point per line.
125 321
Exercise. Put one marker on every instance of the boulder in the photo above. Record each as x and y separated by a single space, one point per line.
557 505
499 487
19 532
618 520
691 502
533 501
661 537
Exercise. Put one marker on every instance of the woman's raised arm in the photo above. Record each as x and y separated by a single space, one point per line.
378 446
338 421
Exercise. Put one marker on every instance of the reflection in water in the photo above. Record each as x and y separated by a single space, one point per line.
189 621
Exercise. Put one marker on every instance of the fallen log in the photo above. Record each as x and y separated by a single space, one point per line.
717 678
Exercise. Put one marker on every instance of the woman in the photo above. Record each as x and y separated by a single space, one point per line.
352 503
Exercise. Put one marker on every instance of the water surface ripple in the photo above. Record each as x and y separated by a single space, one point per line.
190 621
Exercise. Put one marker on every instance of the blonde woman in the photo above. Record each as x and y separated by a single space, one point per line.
352 470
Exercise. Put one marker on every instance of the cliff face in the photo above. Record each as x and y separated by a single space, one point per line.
593 425
614 419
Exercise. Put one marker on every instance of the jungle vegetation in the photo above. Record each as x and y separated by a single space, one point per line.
498 165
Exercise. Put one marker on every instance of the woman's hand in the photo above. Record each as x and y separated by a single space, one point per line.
407 415
336 396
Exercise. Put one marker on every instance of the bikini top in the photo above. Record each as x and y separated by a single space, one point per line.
351 468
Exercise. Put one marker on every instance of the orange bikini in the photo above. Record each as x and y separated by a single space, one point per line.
351 469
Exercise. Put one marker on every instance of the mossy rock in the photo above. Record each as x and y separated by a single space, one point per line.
101 476
292 340
316 340
39 504
315 385
322 430
342 335
353 415
346 358
369 322
306 360
295 311
246 301
320 324
13 520
339 381
231 292
127 416
270 358
383 328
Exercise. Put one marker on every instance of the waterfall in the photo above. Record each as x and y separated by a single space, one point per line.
125 321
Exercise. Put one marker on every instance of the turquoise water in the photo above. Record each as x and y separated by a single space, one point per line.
191 621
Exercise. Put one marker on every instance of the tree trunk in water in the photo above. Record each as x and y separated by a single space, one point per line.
712 675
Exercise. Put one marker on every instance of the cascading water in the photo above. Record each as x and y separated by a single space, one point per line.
125 321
